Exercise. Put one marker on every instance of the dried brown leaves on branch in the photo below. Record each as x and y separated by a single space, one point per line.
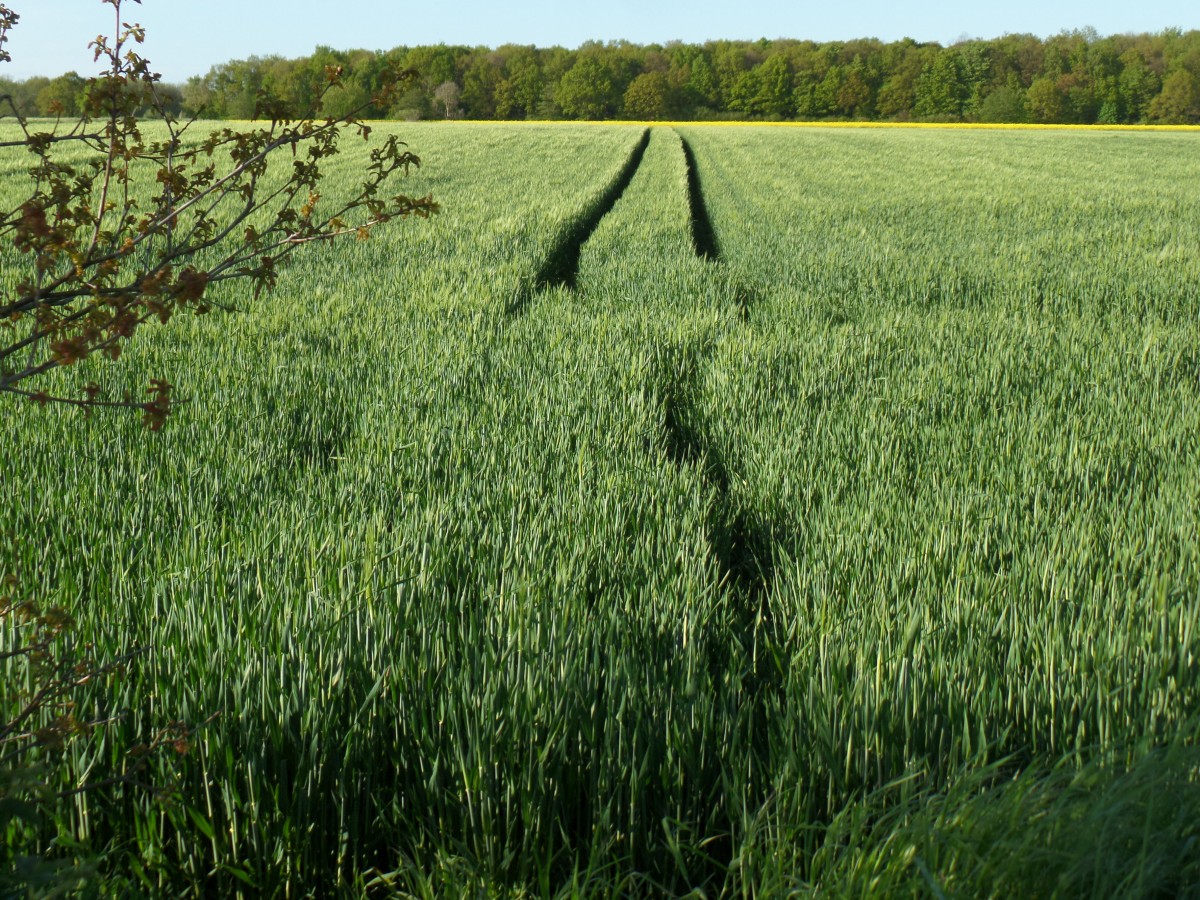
107 255
44 715
46 667
120 226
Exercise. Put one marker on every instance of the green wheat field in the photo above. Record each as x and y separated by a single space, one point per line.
723 511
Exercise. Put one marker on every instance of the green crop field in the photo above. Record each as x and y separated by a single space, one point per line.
749 511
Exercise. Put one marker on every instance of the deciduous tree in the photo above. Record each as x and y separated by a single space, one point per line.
586 91
648 97
1179 100
1046 102
446 96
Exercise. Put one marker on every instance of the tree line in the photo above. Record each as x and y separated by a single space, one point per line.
1073 77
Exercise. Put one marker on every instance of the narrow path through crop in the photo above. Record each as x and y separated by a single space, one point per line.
743 654
741 544
704 237
739 541
561 267
742 547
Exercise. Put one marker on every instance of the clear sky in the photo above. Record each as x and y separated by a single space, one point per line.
186 37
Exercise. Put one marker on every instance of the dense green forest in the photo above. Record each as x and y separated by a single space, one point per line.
1073 77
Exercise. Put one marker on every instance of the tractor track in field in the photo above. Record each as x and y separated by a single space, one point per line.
739 541
741 546
704 236
561 267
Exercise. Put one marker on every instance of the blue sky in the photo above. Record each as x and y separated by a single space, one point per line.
186 37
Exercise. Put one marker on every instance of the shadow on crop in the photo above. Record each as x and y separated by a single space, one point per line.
561 267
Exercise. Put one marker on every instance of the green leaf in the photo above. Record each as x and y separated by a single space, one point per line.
203 824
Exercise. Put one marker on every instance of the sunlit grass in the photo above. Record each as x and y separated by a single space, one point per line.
937 126
830 566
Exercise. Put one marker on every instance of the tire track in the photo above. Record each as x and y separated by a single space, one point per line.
704 236
739 540
741 545
561 267
742 541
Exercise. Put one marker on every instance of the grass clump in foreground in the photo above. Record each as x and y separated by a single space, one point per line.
1065 831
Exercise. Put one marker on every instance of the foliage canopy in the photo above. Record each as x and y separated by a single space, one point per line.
103 261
